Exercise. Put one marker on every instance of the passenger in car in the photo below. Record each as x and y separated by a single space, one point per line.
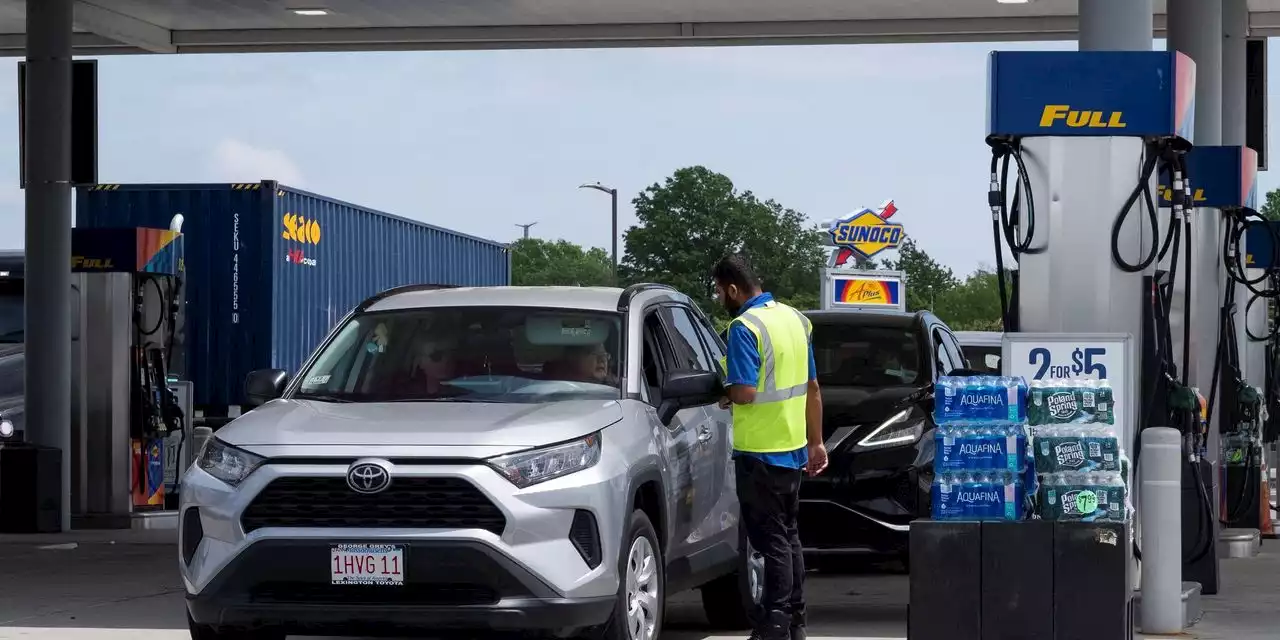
431 366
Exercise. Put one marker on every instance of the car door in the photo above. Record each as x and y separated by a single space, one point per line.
725 511
679 438
709 456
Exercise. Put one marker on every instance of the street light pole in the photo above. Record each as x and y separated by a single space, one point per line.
613 196
526 228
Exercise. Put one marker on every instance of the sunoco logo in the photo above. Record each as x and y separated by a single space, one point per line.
1063 405
1069 454
302 231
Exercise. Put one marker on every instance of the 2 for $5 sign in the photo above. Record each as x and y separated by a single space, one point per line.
1064 356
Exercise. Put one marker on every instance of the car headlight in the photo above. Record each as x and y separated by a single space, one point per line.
528 468
227 463
902 428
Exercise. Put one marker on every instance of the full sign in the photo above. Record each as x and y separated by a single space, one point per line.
1065 356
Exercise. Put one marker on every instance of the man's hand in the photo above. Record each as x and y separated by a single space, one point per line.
817 459
725 403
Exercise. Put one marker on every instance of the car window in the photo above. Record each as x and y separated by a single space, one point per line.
848 354
985 359
953 349
482 354
715 346
658 356
943 359
690 352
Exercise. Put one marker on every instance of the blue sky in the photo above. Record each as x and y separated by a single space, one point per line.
480 141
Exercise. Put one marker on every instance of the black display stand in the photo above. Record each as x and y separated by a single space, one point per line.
30 489
1020 581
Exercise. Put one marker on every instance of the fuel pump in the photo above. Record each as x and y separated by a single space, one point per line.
129 345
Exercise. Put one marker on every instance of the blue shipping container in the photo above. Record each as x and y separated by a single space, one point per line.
271 269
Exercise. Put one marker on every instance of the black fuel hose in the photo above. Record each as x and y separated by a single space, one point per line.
1005 219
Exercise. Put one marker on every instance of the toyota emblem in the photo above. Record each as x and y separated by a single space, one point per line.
368 477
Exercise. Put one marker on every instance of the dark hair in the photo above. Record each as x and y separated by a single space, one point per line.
734 269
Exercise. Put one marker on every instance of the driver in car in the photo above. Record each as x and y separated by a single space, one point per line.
588 363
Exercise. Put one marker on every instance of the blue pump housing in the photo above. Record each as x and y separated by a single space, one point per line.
1221 177
1149 94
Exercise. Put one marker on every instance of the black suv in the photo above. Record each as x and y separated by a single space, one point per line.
877 371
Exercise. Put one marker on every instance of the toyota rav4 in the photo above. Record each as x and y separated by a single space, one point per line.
535 459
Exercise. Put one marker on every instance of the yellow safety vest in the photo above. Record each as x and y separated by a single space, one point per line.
775 422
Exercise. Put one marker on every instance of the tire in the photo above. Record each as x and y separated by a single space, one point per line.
732 602
206 632
640 539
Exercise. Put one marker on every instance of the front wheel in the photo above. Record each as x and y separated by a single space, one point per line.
732 602
641 605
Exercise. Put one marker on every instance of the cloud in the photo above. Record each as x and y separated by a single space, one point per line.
238 161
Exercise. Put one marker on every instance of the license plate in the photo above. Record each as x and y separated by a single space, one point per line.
367 564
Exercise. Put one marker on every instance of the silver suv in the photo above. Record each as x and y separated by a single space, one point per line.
537 459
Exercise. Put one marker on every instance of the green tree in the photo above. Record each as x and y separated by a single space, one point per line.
926 279
1271 207
537 262
973 305
697 216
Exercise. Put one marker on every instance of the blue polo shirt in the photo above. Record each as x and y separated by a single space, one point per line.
744 368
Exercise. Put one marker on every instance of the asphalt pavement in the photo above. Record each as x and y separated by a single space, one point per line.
95 589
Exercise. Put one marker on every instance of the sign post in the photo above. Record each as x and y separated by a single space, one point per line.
855 238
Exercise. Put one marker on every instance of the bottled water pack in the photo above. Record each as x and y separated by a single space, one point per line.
1076 448
1077 401
997 495
980 447
980 399
1084 497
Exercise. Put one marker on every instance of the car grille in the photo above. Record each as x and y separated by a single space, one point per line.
409 503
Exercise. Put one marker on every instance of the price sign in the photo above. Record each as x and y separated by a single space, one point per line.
1062 356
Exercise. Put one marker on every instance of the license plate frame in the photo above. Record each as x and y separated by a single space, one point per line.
367 564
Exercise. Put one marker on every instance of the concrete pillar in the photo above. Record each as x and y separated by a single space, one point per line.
1195 28
48 232
1116 25
1235 29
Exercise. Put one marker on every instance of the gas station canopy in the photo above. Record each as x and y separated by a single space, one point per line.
237 26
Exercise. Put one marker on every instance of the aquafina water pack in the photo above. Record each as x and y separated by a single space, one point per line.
980 447
980 399
994 495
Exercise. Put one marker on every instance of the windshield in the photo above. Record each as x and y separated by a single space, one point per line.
11 306
848 355
469 354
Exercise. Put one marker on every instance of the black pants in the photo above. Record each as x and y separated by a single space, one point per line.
770 499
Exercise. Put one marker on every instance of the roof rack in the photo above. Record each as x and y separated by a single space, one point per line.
407 288
624 301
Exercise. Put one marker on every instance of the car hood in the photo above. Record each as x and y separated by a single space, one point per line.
854 406
461 429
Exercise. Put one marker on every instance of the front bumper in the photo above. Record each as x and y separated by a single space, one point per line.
866 500
285 584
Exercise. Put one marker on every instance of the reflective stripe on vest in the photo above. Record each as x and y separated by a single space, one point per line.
775 420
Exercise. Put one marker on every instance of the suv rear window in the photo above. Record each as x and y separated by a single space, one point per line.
848 355
480 354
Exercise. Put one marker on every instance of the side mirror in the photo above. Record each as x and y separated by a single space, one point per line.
684 388
264 385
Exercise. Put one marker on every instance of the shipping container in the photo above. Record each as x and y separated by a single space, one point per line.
270 269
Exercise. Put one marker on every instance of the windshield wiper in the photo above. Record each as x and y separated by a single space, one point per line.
321 397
